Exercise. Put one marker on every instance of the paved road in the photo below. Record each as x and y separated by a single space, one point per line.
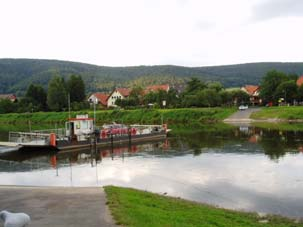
52 207
242 115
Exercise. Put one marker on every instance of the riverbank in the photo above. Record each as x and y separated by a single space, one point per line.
58 206
281 126
132 207
279 113
141 116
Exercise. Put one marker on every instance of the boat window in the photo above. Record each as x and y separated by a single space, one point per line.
84 125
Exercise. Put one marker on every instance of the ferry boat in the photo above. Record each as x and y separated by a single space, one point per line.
80 132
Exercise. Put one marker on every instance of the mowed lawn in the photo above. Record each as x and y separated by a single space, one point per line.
132 207
142 116
279 112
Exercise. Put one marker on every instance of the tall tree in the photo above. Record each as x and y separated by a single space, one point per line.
270 83
76 88
136 95
239 97
7 106
300 93
215 85
56 95
194 85
287 90
226 97
36 95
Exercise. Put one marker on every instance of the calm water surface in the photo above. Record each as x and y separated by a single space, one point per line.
241 168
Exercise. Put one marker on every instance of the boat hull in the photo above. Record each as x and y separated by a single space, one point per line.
107 142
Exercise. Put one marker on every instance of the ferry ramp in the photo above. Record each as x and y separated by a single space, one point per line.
58 206
242 116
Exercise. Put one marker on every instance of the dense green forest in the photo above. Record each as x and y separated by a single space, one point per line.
17 74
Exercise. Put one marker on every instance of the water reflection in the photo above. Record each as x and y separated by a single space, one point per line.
243 168
273 143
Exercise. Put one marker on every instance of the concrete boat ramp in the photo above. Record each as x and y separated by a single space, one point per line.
58 206
242 116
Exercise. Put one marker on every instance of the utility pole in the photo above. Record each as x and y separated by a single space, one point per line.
68 97
95 101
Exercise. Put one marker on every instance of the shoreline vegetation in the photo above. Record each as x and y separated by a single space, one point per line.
279 113
131 207
269 117
140 116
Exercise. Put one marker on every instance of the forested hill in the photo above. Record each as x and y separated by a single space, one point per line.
17 74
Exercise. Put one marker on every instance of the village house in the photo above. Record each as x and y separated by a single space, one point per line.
253 92
155 88
99 98
11 97
300 81
106 100
118 93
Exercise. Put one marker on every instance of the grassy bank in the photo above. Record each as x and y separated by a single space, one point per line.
281 126
142 116
280 112
196 128
137 208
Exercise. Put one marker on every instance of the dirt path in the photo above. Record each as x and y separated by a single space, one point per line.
242 115
58 206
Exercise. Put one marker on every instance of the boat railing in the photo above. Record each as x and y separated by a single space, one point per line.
29 138
60 132
146 126
147 129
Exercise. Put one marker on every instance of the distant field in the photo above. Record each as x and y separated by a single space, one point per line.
132 207
280 112
140 116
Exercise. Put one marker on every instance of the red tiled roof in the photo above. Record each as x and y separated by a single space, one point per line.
251 89
11 97
123 91
300 81
153 88
102 98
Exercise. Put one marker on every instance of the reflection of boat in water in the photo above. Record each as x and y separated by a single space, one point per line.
80 133
20 155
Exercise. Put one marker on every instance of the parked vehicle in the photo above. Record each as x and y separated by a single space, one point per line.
243 107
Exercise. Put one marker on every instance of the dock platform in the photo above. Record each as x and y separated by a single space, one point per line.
9 144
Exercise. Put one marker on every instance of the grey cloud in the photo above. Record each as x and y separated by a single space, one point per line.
271 9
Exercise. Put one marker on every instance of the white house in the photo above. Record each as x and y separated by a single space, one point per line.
118 93
99 98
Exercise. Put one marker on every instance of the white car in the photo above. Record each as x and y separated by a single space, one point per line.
243 107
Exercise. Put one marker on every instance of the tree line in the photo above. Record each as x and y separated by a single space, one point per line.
278 87
56 98
196 94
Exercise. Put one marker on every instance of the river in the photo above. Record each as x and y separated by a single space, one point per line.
247 168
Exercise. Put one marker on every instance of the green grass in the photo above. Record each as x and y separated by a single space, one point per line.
146 116
280 112
132 207
195 128
282 126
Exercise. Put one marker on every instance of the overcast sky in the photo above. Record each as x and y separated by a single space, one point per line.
152 32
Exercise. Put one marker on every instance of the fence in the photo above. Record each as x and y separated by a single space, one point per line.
29 138
60 132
